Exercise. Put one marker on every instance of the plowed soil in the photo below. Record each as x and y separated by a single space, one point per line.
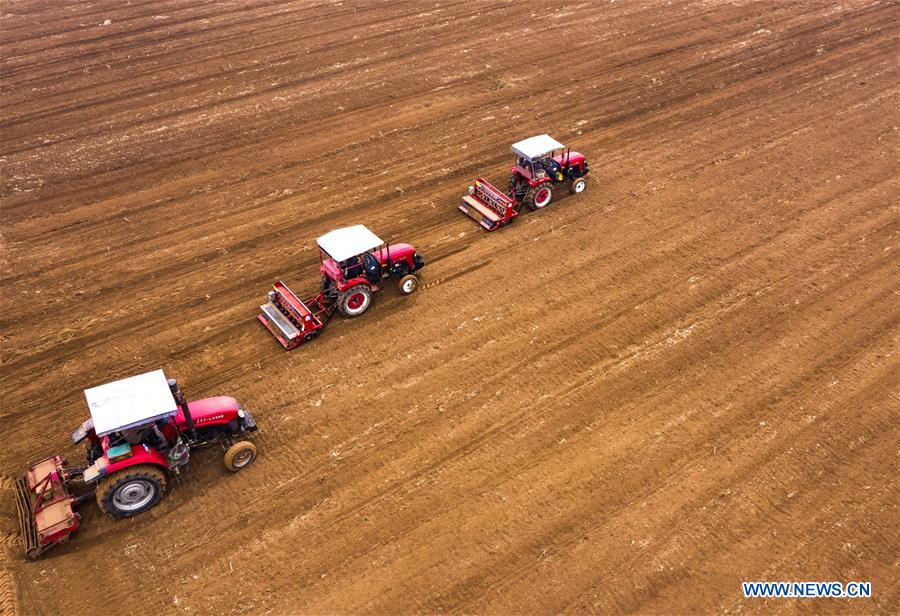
631 401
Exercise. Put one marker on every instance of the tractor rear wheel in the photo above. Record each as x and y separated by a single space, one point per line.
539 196
355 300
131 491
578 185
240 455
409 284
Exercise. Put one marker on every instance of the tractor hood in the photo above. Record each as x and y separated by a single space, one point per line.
574 158
397 252
217 408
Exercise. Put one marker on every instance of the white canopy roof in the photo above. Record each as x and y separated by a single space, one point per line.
537 146
342 244
130 402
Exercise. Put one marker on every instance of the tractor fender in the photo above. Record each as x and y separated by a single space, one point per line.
140 454
359 280
399 252
533 183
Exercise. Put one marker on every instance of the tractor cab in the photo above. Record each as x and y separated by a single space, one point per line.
542 158
347 254
354 255
129 417
534 162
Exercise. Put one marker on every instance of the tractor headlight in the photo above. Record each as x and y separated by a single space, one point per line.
245 420
471 190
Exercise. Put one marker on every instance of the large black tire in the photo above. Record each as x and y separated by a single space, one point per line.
240 455
355 301
131 491
539 196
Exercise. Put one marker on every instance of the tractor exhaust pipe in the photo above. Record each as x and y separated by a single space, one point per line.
182 403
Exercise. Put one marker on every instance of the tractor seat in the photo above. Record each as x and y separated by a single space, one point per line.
372 267
352 268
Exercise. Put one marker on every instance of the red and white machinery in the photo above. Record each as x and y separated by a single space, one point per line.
353 262
139 437
543 167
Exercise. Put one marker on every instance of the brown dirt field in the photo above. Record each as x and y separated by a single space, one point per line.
631 401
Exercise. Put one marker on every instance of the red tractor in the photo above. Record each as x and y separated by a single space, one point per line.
353 262
543 167
139 437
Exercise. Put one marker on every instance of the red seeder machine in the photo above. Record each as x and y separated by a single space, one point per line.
353 263
543 166
139 436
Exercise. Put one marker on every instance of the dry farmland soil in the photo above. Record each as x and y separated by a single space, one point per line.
631 401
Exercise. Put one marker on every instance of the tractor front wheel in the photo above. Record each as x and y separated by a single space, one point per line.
131 491
355 300
409 284
240 455
578 185
539 196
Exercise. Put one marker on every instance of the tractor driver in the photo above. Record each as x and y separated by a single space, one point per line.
554 169
151 435
538 170
372 267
